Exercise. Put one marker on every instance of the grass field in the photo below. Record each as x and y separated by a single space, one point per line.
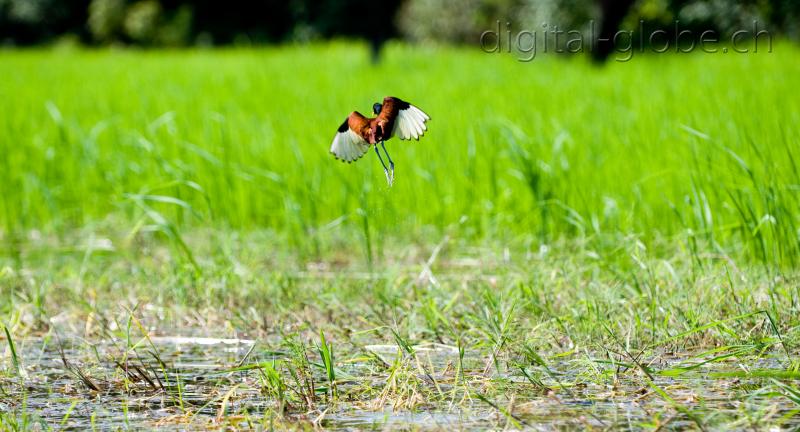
569 246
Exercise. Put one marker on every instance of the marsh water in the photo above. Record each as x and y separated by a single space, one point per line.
180 382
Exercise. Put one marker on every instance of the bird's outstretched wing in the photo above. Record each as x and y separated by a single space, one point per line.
348 145
409 122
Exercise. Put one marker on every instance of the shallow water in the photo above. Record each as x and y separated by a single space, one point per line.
195 378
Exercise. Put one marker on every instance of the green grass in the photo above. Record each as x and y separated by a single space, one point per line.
573 237
697 149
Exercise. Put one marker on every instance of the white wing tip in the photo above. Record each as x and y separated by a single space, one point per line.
410 123
348 147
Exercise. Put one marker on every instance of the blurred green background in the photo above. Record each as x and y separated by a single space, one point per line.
695 151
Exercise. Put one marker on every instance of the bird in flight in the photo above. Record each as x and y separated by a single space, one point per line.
394 117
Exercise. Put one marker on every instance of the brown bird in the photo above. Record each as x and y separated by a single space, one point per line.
394 117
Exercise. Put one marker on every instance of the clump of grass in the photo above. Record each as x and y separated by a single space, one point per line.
326 355
14 358
274 385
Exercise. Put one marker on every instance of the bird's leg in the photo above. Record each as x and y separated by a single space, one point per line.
391 164
385 170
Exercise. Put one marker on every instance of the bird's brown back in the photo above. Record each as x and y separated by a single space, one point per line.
386 118
379 128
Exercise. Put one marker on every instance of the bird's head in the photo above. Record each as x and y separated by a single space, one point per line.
376 108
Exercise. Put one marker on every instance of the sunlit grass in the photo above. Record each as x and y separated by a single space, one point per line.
696 148
568 238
